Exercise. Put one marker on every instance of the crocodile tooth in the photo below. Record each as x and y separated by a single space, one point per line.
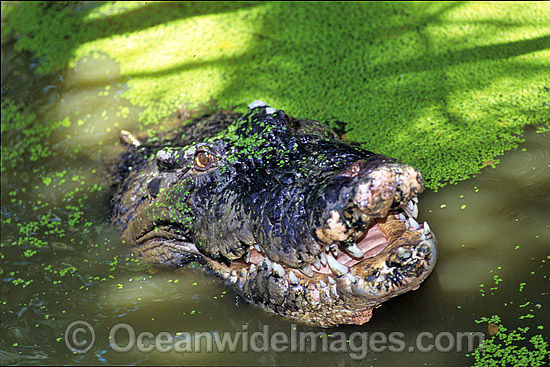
411 209
244 272
354 250
257 247
267 263
323 284
278 270
414 223
423 236
233 273
292 278
327 248
352 278
402 217
427 228
331 280
334 249
336 267
317 263
252 268
415 199
323 258
306 270
247 257
407 210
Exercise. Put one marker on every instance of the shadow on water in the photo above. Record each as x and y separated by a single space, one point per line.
86 30
290 43
282 37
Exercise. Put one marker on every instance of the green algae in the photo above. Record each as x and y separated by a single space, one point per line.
16 122
505 349
248 144
46 219
445 87
521 346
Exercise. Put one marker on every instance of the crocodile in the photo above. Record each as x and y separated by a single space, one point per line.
296 220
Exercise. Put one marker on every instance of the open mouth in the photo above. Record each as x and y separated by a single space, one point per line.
298 224
394 255
367 248
371 246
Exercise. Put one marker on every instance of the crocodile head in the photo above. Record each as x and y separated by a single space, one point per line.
299 222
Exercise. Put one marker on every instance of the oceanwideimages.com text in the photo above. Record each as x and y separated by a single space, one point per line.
80 338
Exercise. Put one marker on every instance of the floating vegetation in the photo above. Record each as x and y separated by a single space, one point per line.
510 348
425 82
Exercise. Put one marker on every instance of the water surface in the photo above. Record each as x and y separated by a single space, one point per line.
493 232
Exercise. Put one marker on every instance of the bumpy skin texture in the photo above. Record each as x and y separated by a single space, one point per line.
299 222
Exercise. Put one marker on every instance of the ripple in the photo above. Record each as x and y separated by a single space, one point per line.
526 168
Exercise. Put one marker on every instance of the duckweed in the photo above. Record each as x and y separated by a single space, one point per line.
503 349
423 82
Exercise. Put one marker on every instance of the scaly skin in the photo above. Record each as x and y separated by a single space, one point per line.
297 221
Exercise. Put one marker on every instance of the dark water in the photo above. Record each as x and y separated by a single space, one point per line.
493 232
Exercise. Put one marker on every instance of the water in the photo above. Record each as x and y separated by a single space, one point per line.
493 232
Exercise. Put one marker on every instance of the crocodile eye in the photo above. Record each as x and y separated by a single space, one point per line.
204 160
